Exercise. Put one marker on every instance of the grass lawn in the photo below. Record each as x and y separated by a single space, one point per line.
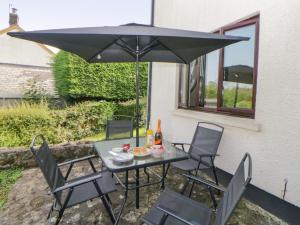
7 178
101 136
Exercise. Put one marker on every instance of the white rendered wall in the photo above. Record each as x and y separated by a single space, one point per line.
273 137
22 52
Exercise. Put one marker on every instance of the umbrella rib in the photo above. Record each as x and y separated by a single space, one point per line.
144 52
126 49
172 52
149 46
107 46
126 45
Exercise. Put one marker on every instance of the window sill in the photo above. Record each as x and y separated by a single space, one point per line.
238 122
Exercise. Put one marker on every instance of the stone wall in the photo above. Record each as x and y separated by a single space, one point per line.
15 78
22 156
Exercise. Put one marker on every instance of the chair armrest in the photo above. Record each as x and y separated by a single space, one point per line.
205 182
77 182
172 213
77 160
208 154
180 143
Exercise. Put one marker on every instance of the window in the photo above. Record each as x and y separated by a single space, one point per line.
224 81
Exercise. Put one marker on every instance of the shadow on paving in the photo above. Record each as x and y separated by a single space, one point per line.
29 203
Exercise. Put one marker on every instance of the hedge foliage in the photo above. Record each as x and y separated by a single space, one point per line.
20 123
77 79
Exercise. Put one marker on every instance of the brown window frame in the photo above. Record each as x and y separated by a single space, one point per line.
250 113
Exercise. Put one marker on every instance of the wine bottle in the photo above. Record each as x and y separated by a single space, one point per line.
150 138
158 134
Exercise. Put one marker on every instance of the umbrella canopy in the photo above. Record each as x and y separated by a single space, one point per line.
119 43
131 43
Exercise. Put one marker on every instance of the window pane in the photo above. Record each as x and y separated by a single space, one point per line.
183 85
209 80
238 70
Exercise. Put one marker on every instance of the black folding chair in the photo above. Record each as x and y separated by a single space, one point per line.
175 209
119 126
202 151
68 193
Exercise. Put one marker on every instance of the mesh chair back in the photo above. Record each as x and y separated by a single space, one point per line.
206 140
234 191
47 164
119 127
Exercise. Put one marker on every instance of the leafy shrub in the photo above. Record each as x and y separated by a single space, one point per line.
20 123
77 79
83 119
128 109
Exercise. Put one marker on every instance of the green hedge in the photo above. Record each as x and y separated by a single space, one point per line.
77 79
20 123
128 109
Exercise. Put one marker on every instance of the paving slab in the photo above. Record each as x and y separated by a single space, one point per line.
28 203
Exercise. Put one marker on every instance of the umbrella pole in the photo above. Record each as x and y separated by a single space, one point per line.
137 78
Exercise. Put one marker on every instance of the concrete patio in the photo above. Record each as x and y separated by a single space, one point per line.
28 203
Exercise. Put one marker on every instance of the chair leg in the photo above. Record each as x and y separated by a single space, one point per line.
193 184
105 202
108 209
216 177
50 211
147 174
92 165
163 219
192 187
185 185
60 214
213 198
166 173
61 211
108 198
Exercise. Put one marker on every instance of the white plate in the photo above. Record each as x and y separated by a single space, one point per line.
144 154
123 157
117 150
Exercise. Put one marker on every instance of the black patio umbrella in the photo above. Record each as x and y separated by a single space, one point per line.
131 43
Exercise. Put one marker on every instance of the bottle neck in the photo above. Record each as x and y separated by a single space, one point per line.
158 126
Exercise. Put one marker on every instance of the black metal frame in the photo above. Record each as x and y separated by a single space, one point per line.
169 212
57 205
201 156
129 186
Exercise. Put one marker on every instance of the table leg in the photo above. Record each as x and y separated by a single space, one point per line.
125 198
137 190
163 176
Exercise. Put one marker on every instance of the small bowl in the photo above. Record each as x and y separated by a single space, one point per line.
157 151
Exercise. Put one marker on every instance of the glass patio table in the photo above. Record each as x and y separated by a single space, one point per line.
171 154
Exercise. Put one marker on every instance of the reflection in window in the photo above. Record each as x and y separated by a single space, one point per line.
194 83
183 85
209 80
238 70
